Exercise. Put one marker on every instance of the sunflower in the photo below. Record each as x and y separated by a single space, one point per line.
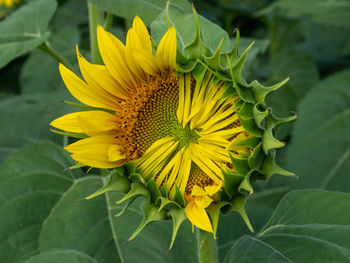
9 3
181 131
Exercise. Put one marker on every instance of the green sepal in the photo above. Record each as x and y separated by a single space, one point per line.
154 190
137 178
231 182
250 142
137 189
116 182
229 90
196 49
178 216
256 157
186 67
150 214
269 142
76 166
246 187
260 91
71 134
214 61
246 110
238 205
88 108
241 165
250 126
198 73
269 167
178 197
245 93
164 191
236 70
131 168
277 120
130 201
214 212
167 203
232 56
259 114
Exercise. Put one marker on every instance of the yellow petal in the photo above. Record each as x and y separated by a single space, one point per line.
133 43
83 92
67 123
198 191
198 217
98 161
99 77
212 189
203 202
97 122
141 30
88 122
113 55
114 153
102 142
95 151
166 52
147 62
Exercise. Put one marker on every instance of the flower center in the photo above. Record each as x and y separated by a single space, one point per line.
150 115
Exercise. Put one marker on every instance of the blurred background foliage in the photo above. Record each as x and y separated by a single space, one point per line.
309 41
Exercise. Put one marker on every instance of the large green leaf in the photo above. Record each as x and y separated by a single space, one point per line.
328 44
335 12
148 10
42 222
25 29
39 73
307 226
25 119
303 73
320 150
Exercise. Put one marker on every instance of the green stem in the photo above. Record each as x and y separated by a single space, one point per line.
108 21
206 246
95 19
46 47
273 33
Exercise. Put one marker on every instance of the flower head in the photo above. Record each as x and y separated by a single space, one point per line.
187 139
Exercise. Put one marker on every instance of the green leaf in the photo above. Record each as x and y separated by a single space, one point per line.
335 12
300 231
26 119
320 150
62 255
25 29
41 220
148 10
303 73
39 73
184 23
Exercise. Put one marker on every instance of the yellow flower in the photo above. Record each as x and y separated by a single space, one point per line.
8 3
185 132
